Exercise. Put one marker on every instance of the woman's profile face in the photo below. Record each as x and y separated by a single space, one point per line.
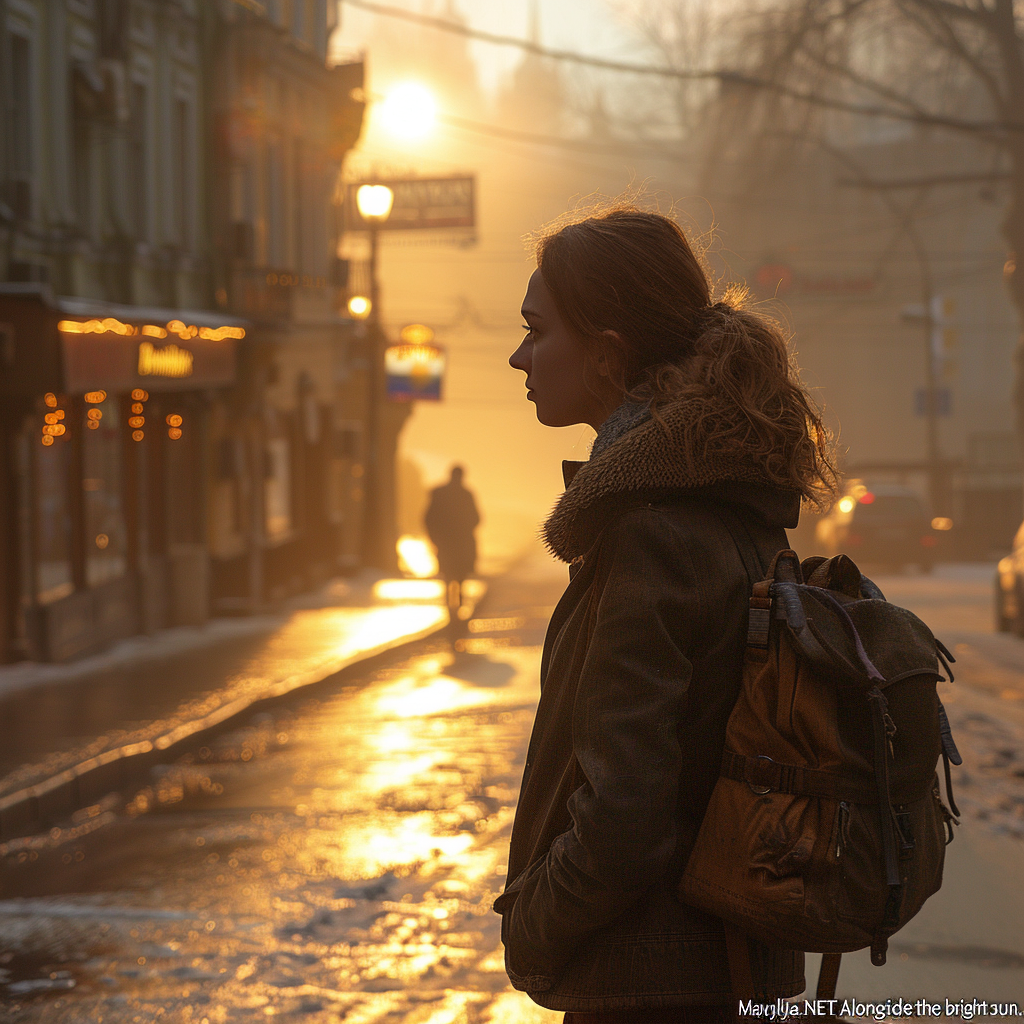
559 381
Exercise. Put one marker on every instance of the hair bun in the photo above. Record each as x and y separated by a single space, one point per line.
704 319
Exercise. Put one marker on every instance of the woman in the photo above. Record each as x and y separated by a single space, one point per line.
706 444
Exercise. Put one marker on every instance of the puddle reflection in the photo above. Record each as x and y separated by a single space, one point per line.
346 871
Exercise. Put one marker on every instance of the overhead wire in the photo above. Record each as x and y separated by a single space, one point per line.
724 76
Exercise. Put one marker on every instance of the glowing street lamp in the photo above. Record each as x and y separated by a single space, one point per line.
374 202
359 307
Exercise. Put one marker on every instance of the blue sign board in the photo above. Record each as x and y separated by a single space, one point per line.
414 372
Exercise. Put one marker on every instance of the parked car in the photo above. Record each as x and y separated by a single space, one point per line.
884 524
1009 588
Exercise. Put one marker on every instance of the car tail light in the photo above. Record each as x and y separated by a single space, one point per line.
928 541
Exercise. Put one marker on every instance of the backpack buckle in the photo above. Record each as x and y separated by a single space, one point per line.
758 789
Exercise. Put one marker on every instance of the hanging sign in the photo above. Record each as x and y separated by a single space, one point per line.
414 372
422 203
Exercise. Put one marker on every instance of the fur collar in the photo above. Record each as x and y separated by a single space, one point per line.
643 458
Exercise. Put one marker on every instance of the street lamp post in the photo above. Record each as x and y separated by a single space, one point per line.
374 204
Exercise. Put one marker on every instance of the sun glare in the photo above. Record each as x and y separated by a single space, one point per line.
409 111
416 557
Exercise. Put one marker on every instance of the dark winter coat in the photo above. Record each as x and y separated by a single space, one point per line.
641 667
451 519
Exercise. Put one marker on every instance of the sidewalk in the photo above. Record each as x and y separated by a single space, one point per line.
965 944
69 730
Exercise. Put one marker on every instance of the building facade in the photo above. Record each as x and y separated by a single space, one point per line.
878 277
181 426
283 121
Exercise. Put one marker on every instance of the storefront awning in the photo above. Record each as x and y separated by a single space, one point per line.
74 345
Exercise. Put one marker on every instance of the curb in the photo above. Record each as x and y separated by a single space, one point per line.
28 811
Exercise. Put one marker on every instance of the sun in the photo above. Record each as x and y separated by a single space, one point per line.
409 111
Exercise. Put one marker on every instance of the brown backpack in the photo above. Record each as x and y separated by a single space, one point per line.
826 831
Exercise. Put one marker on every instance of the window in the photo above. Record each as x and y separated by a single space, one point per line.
275 206
54 578
105 534
226 499
184 467
283 12
298 207
310 28
242 241
277 489
181 163
140 162
82 95
19 119
343 482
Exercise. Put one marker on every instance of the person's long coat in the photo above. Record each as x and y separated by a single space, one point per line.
641 668
450 519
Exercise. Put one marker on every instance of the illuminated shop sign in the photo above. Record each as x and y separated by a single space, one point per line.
120 356
170 361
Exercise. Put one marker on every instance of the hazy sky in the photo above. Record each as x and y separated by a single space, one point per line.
589 26
471 295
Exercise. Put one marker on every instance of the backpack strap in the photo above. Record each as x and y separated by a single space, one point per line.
881 723
741 977
763 775
748 550
759 617
828 975
737 947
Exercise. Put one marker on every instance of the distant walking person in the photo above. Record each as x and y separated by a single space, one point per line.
451 518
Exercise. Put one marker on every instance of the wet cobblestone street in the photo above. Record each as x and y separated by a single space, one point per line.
338 859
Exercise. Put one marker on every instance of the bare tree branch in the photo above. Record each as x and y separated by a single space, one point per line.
944 35
980 15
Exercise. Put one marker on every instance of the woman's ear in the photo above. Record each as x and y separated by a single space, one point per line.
611 357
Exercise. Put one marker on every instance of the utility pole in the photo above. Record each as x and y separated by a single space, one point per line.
934 315
931 315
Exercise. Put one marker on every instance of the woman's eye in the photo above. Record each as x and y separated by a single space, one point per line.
528 329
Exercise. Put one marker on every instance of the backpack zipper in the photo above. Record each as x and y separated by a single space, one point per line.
890 731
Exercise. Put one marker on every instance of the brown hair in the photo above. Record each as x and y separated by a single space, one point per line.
634 272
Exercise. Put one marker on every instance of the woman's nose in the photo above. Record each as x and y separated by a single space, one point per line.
519 360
